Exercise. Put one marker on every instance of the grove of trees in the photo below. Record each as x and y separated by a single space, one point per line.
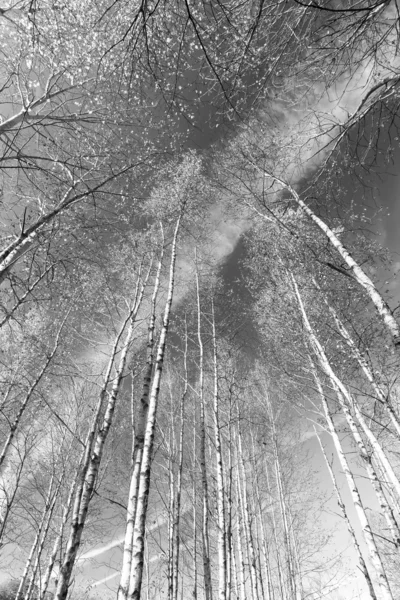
199 354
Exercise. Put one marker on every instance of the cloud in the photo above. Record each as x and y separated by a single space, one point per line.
102 550
104 580
159 522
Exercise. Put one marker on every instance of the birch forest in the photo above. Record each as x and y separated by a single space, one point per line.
199 300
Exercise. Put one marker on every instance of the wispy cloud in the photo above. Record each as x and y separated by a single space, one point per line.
104 580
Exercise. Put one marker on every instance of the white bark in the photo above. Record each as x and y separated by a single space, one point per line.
382 582
342 507
194 505
140 429
49 501
21 300
145 472
177 513
284 515
380 395
171 516
271 509
220 472
205 511
94 450
359 275
239 537
246 515
57 543
31 392
16 248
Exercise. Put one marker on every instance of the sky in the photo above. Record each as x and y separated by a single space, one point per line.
98 565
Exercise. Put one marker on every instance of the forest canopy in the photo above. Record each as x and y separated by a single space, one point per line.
200 336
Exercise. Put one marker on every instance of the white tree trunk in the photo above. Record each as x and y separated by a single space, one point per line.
246 515
139 435
382 582
145 472
94 452
205 511
342 507
31 392
380 395
359 275
220 471
177 513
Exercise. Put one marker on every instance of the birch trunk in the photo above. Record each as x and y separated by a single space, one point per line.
246 516
139 435
346 401
49 501
286 532
177 513
239 537
381 396
220 471
382 582
194 505
205 511
261 530
278 558
30 393
17 247
57 543
93 453
376 448
293 592
363 566
386 509
145 472
45 527
21 300
229 507
171 516
359 275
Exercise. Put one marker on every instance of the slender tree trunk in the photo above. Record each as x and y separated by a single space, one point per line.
293 592
229 506
31 392
177 513
205 525
267 588
296 557
235 570
246 515
282 588
17 247
240 535
194 505
43 530
384 589
171 514
145 472
359 275
346 401
376 447
21 300
380 395
139 436
342 507
57 543
282 504
220 472
266 552
386 509
93 455
50 500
